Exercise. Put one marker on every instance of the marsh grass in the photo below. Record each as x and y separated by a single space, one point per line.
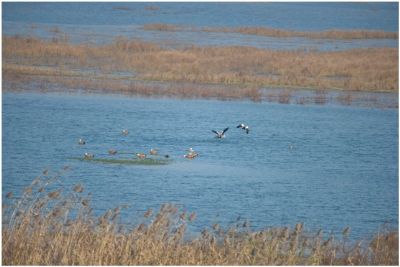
50 224
333 34
320 97
245 68
161 27
284 97
345 99
145 161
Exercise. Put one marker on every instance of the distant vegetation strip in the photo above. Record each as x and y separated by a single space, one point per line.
328 34
49 224
146 161
374 69
335 34
162 27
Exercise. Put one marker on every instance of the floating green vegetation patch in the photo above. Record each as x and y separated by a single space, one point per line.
146 161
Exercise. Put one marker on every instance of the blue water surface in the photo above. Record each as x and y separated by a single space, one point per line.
292 16
327 166
102 22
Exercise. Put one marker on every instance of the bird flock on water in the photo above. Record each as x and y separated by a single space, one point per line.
191 154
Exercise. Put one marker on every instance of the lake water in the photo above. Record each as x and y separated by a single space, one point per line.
103 22
327 166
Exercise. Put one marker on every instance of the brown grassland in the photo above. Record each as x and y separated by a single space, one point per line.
245 69
54 225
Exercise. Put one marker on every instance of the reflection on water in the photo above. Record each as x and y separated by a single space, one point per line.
328 166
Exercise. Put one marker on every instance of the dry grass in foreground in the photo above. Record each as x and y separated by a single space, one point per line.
374 69
57 227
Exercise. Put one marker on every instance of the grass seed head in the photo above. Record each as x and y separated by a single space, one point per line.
346 232
54 194
148 213
78 188
192 217
85 202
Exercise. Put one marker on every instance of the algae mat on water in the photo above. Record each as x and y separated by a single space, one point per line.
146 161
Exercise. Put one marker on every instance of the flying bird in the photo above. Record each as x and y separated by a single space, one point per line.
220 134
244 127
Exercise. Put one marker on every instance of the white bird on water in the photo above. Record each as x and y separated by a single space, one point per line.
220 134
191 155
125 132
81 141
141 155
88 155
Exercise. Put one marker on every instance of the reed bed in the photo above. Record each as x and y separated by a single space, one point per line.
161 27
50 224
44 83
333 34
374 69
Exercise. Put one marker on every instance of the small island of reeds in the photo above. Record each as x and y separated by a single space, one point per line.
228 72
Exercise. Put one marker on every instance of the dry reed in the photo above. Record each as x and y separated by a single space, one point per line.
334 34
41 230
328 34
161 27
374 69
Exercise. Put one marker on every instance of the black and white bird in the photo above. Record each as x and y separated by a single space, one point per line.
220 134
81 141
125 132
244 127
